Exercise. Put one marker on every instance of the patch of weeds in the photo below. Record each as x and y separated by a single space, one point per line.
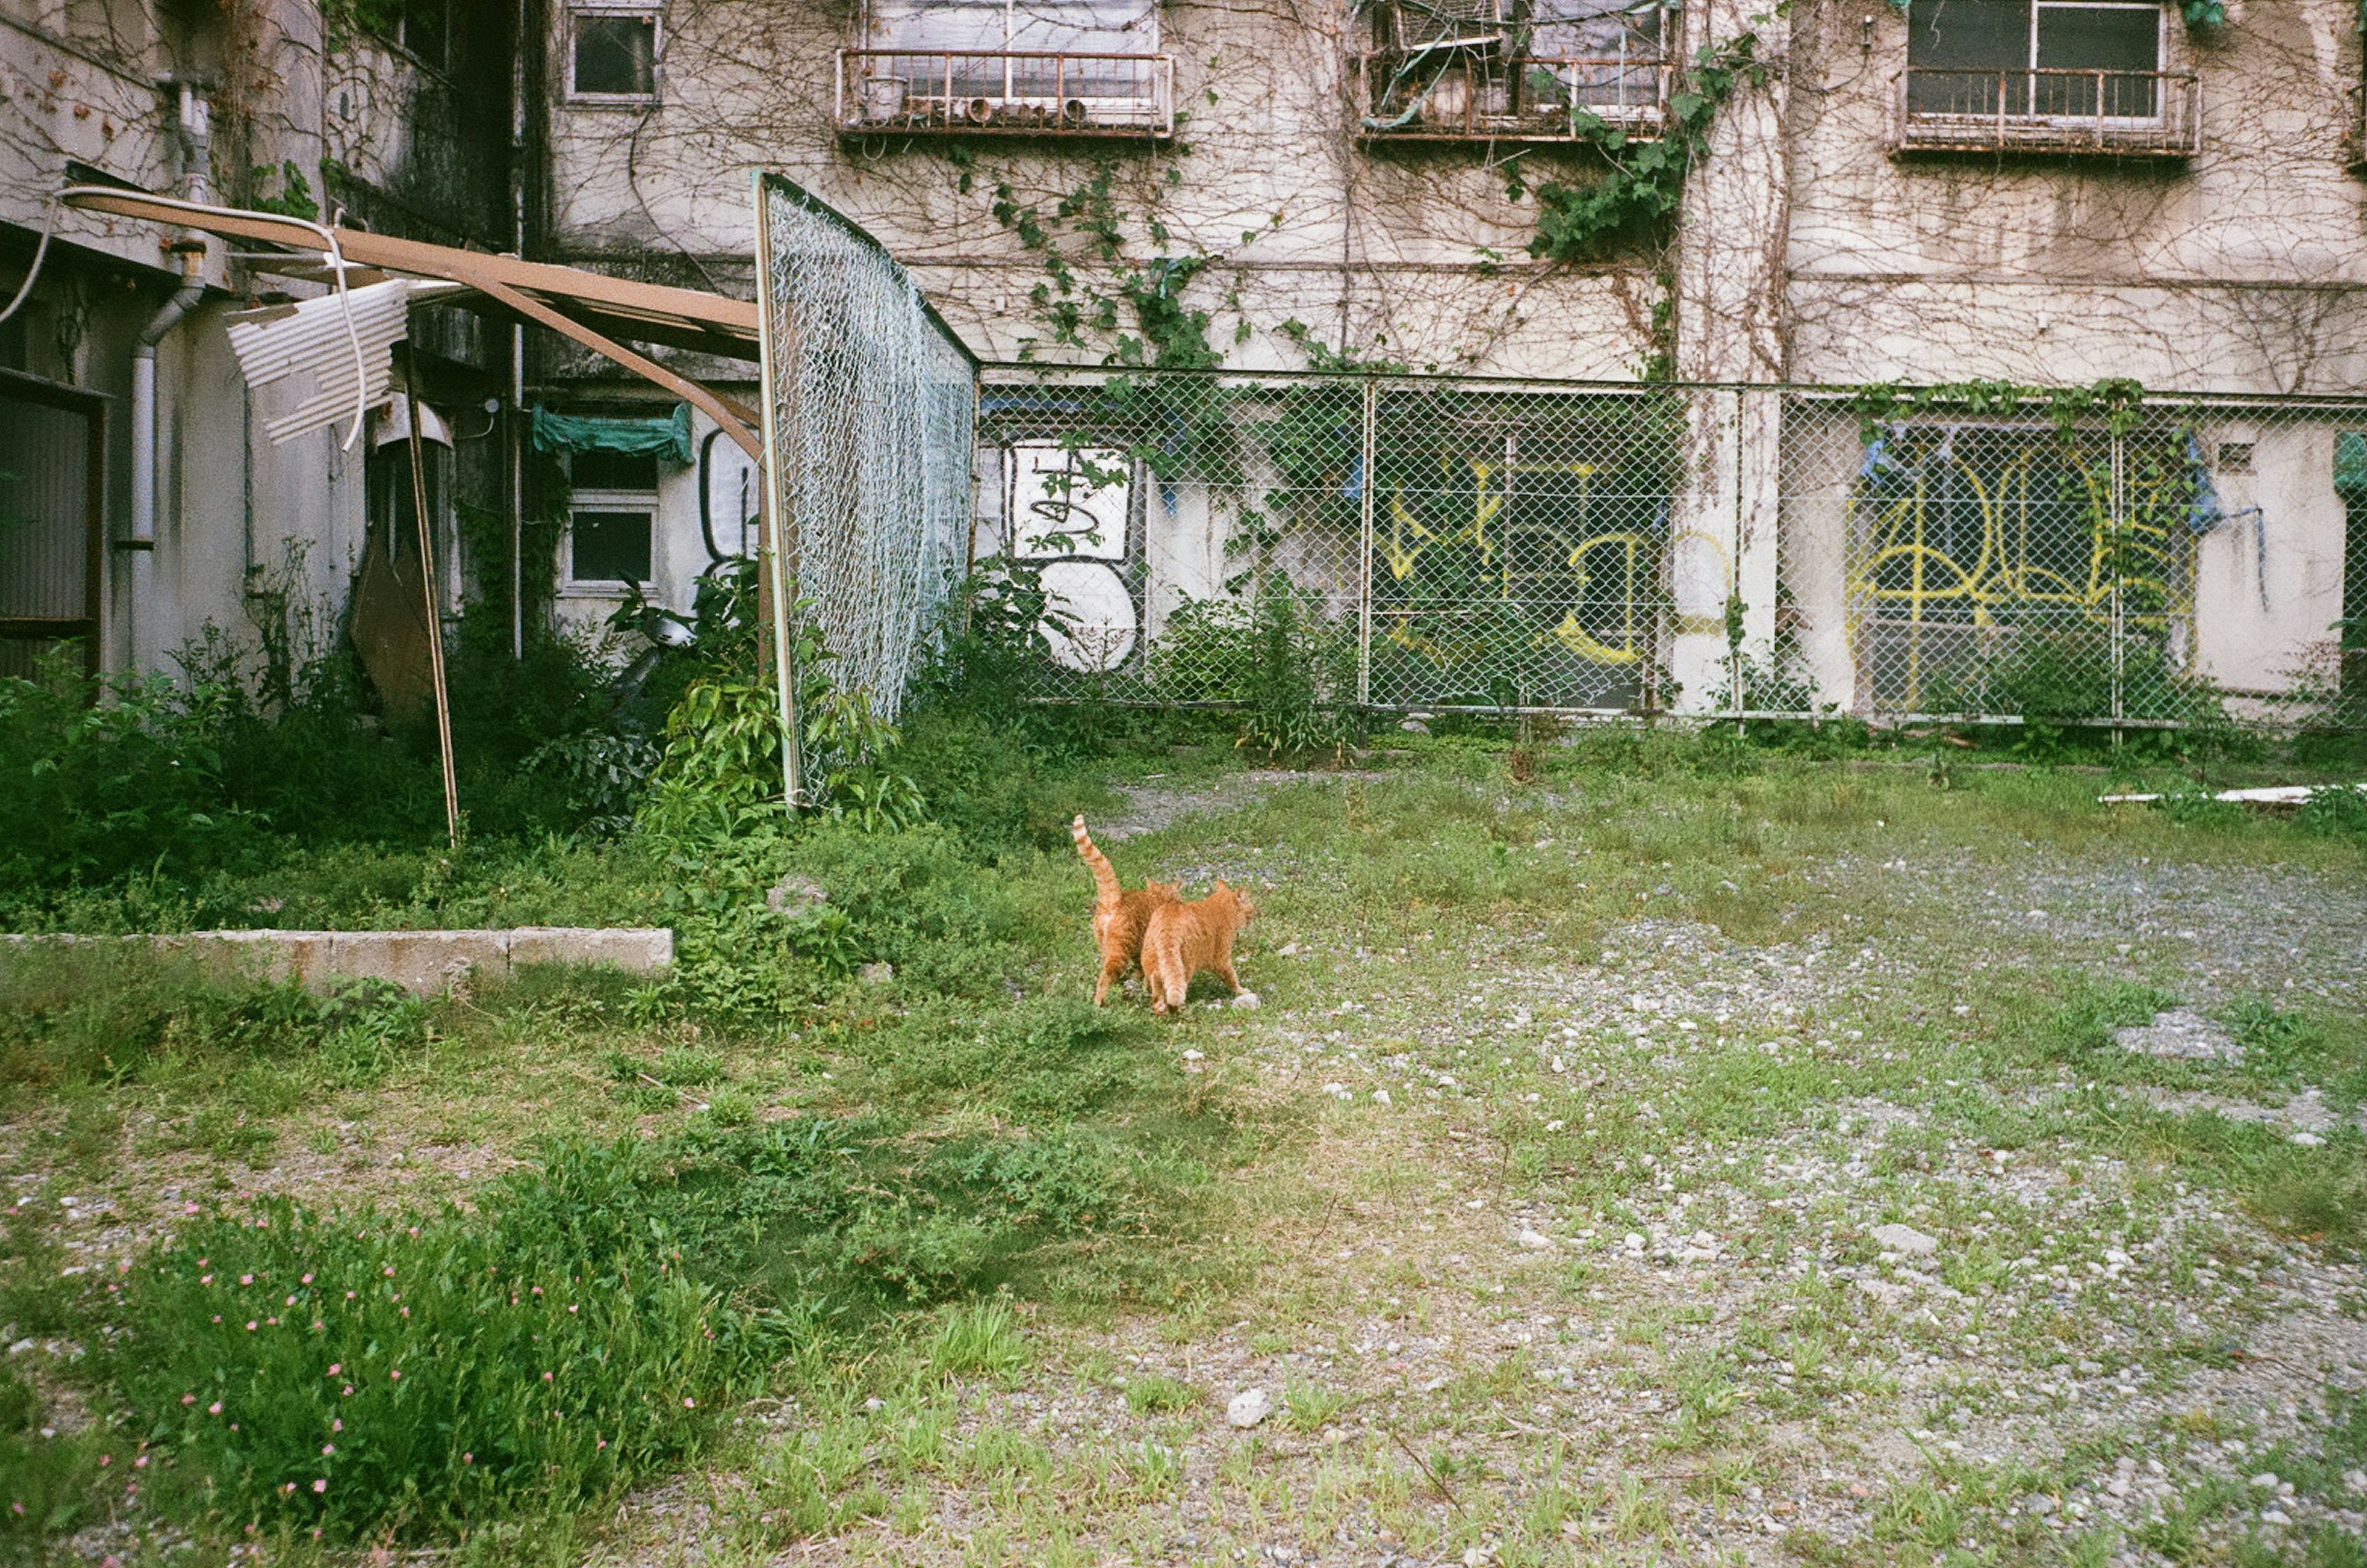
49 1480
1155 1394
360 1374
1309 1407
978 1340
679 1066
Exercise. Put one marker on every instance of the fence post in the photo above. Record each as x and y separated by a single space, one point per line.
1364 548
2114 558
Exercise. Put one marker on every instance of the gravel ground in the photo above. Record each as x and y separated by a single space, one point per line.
1863 1327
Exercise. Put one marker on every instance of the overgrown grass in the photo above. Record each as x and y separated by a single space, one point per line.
920 1162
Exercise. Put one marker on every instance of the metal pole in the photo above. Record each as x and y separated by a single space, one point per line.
777 556
1365 550
422 525
2118 650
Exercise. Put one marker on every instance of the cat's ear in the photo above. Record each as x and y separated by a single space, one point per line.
1221 886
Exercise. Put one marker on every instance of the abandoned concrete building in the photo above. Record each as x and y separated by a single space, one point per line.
1533 447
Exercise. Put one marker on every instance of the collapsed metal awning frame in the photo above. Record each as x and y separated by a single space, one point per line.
600 312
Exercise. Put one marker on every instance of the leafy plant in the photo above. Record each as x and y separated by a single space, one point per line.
360 1374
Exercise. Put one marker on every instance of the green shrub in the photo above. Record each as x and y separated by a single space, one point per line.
358 1373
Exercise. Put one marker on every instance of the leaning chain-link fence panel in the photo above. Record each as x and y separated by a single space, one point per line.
871 402
1507 551
2052 560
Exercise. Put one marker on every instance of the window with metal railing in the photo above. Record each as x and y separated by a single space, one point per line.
1060 67
2063 76
1515 70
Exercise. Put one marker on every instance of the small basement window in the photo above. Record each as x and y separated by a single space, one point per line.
615 56
612 519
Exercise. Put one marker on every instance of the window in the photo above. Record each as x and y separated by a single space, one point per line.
614 56
425 28
2035 57
979 65
612 513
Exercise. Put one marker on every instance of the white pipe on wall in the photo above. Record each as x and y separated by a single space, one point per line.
143 542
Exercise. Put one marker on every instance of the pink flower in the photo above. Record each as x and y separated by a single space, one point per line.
250 1325
336 1423
348 1389
216 1317
349 1295
215 1408
201 1262
465 1459
139 1463
105 1459
192 1208
335 1366
604 1442
689 1404
188 1399
307 1280
318 1327
570 1307
328 1448
546 1377
322 1485
395 1376
290 1302
246 1278
205 1279
389 1271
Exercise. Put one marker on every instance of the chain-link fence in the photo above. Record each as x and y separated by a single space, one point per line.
1416 544
1592 549
869 421
2061 559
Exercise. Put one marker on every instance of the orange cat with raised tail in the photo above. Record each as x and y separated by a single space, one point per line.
1119 917
1184 939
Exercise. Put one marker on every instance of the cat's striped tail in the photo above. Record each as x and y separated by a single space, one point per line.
1106 889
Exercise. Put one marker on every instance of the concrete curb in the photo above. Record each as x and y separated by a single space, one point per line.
423 963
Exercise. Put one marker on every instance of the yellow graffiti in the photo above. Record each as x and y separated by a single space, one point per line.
1608 573
2020 544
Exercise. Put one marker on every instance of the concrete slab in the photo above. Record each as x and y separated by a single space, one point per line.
425 962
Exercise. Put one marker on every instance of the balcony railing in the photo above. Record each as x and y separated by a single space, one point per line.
1511 98
991 92
2126 114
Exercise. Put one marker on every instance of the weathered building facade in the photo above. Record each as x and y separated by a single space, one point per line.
1946 191
1739 221
147 502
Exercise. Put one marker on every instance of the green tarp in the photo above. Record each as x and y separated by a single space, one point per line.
2350 465
668 438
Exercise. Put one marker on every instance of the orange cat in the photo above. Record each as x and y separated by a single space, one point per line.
1184 939
1119 917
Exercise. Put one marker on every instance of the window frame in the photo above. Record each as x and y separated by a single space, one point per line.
2161 39
577 11
2031 114
643 501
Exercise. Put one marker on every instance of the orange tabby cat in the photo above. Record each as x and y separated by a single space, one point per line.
1119 917
1184 939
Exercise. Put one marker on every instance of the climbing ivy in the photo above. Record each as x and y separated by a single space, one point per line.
1644 185
2116 398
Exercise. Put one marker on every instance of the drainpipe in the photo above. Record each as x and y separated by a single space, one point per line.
143 542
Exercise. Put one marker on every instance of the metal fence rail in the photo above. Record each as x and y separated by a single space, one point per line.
1600 548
